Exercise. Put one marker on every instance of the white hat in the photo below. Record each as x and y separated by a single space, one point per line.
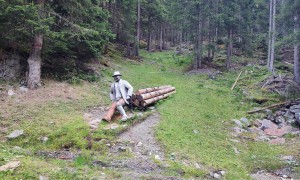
117 73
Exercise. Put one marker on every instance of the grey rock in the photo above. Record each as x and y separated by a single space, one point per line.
122 149
288 115
222 173
290 121
295 108
297 117
43 178
139 114
288 158
196 131
197 166
270 117
151 107
23 89
43 139
266 124
236 151
217 176
279 120
268 112
139 144
10 92
245 121
237 122
15 134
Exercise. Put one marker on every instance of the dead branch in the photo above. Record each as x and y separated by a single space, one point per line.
272 106
236 81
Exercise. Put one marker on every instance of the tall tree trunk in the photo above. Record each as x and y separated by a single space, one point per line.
128 49
180 41
198 40
296 52
160 38
272 36
149 39
137 44
229 48
164 38
35 59
270 32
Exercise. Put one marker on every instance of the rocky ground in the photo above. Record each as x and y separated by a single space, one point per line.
135 154
274 127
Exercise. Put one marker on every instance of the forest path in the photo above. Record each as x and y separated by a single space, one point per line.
146 158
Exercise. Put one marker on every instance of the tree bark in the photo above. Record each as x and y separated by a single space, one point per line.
272 28
137 44
149 39
35 60
160 38
229 48
273 37
296 52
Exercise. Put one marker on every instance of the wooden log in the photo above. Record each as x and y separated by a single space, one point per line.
107 117
236 81
272 106
147 90
157 98
153 94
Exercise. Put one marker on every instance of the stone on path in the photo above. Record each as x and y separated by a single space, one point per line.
10 166
15 134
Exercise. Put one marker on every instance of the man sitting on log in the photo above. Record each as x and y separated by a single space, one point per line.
120 93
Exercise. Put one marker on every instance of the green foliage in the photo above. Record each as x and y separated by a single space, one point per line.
72 31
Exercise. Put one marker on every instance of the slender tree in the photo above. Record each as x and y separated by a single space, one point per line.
272 31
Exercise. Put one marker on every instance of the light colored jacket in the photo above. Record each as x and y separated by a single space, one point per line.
125 88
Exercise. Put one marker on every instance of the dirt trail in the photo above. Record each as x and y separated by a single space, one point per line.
140 141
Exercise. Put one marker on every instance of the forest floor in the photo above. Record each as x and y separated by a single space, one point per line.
187 136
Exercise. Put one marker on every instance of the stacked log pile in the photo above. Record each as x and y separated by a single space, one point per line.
147 96
142 98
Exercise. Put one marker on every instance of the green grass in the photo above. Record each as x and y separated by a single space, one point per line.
206 106
200 104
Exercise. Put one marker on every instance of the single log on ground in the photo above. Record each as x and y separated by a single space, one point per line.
272 106
147 90
110 112
157 98
153 94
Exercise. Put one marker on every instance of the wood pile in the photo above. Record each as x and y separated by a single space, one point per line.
142 98
147 96
280 84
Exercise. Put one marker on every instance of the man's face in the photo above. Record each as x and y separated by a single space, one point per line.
117 78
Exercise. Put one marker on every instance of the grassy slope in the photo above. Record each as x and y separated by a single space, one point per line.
200 104
206 106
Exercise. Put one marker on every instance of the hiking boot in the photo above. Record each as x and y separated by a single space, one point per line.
124 118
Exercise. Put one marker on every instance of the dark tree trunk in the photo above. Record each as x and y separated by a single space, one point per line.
229 48
160 38
296 52
35 60
149 39
137 44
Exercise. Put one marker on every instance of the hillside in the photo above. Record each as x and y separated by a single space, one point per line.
192 134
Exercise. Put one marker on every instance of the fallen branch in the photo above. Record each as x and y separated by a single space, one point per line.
272 106
236 81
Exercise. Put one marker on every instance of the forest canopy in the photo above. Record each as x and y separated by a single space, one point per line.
72 32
